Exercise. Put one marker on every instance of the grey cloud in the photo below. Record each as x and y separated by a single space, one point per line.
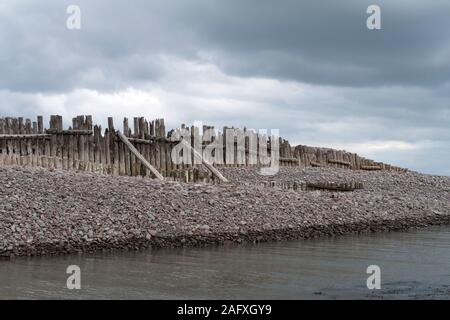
326 42
321 42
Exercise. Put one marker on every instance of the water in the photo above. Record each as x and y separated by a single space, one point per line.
414 264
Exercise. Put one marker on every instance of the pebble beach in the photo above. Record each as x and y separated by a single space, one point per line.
47 212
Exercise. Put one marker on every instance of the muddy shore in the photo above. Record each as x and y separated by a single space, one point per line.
46 212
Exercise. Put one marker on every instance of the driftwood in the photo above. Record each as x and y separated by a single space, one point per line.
316 164
371 168
351 186
342 162
311 186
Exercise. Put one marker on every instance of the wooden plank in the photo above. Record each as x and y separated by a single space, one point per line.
125 127
71 152
139 156
81 148
3 150
141 128
22 142
8 126
136 127
103 158
89 122
157 146
97 150
109 136
128 161
371 167
162 152
16 142
2 126
131 169
36 149
339 162
144 170
69 132
169 166
20 136
62 145
65 151
123 158
91 152
105 152
115 153
76 144
142 141
152 153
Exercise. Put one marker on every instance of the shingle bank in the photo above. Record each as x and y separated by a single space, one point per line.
55 212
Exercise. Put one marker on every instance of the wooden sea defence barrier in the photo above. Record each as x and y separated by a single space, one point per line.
326 157
145 149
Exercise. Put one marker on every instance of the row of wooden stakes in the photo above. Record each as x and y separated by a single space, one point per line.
146 150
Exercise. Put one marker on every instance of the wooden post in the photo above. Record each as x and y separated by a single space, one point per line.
136 127
97 148
125 127
157 147
108 151
40 124
116 147
88 122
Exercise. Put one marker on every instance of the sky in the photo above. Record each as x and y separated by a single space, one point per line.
311 69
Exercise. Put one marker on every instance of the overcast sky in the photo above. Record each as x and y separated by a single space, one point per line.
310 68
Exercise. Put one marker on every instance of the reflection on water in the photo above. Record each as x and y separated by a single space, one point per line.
414 264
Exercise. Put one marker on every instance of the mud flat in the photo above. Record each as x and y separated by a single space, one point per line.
45 212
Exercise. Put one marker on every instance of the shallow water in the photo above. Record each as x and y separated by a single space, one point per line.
414 264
